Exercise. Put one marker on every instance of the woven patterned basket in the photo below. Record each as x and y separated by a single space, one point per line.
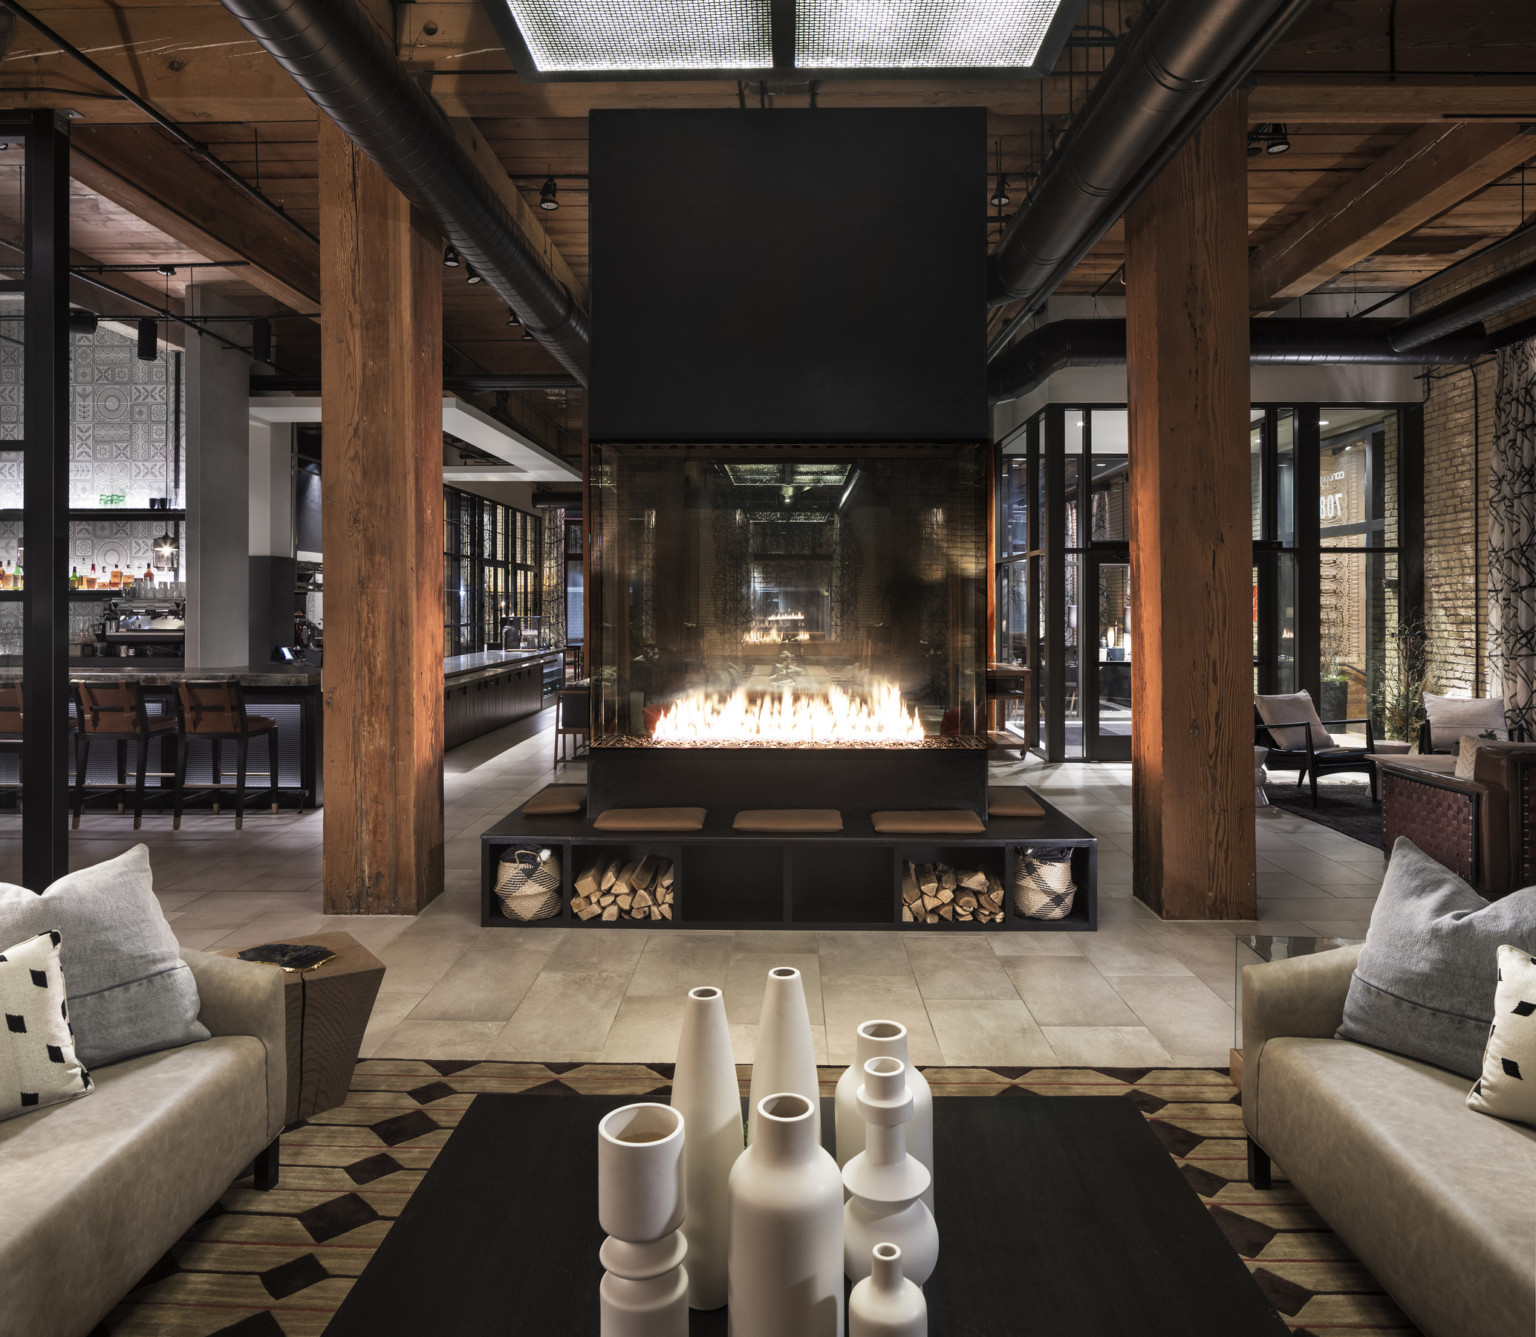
528 884
1042 884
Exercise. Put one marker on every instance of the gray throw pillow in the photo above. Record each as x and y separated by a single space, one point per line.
1428 972
129 991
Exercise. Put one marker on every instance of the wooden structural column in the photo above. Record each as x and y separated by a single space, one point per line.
1191 555
382 519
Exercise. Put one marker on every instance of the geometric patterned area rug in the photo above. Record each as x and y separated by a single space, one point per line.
278 1264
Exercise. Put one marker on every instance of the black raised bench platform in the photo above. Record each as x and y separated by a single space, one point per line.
849 879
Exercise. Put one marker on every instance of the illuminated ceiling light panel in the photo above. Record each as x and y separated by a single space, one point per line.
624 36
787 475
921 34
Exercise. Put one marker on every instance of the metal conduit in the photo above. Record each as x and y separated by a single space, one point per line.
348 68
1272 342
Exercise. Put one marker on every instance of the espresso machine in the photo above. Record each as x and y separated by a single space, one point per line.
144 628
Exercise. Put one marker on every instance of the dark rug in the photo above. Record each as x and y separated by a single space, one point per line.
1342 807
278 1264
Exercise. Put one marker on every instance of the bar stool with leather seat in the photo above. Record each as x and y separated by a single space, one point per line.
116 710
215 710
10 730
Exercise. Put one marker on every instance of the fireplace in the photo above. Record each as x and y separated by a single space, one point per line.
802 596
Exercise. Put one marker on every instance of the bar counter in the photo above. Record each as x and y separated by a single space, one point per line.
481 692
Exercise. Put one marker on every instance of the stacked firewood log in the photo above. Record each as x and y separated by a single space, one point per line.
621 888
934 891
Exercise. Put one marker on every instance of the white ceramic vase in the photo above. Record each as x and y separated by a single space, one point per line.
884 1039
706 1094
786 1054
886 1182
886 1303
644 1291
786 1264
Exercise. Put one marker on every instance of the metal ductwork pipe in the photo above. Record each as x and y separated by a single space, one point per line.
1479 303
348 68
1187 48
1271 342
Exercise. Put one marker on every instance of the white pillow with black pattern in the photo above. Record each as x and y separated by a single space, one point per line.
37 1044
1507 1088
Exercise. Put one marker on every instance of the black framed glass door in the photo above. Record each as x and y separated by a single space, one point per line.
1107 657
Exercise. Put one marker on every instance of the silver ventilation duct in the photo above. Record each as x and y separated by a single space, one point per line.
349 69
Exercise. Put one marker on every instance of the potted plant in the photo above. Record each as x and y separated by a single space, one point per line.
1402 670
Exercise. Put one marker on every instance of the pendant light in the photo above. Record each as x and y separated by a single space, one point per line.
167 552
149 340
547 193
451 256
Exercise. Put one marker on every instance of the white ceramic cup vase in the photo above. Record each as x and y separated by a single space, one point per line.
640 1203
705 1092
886 1182
786 1054
786 1264
884 1039
886 1303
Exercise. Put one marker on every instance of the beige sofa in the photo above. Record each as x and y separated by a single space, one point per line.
94 1191
1434 1199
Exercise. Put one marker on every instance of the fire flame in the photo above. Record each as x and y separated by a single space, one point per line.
787 719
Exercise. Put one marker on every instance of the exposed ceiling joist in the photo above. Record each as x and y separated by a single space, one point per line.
521 212
140 169
1410 99
1433 169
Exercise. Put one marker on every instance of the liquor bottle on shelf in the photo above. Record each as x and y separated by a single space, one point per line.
74 577
5 577
149 573
90 580
18 581
117 577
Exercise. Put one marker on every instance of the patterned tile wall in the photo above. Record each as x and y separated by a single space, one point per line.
118 420
118 435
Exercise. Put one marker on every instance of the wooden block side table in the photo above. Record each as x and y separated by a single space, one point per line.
328 1010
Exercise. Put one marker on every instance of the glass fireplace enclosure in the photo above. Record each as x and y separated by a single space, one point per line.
1334 588
759 569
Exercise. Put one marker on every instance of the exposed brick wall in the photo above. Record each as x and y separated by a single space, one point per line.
1458 438
1458 433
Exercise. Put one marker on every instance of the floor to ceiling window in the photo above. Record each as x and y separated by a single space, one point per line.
1330 586
491 577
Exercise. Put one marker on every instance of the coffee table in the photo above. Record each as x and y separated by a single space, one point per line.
1062 1216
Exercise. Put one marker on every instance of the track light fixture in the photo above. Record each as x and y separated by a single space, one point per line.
149 340
261 340
82 322
451 256
512 317
527 335
547 194
1000 197
1269 137
470 276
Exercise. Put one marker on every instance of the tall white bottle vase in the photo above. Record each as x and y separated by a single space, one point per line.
786 1266
886 1182
705 1092
786 1054
640 1201
886 1303
884 1039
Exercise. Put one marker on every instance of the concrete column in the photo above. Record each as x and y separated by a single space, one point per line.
216 560
273 568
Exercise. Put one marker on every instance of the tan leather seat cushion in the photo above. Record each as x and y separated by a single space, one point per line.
555 800
788 819
929 822
650 819
1418 1186
1436 763
96 1190
1017 802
